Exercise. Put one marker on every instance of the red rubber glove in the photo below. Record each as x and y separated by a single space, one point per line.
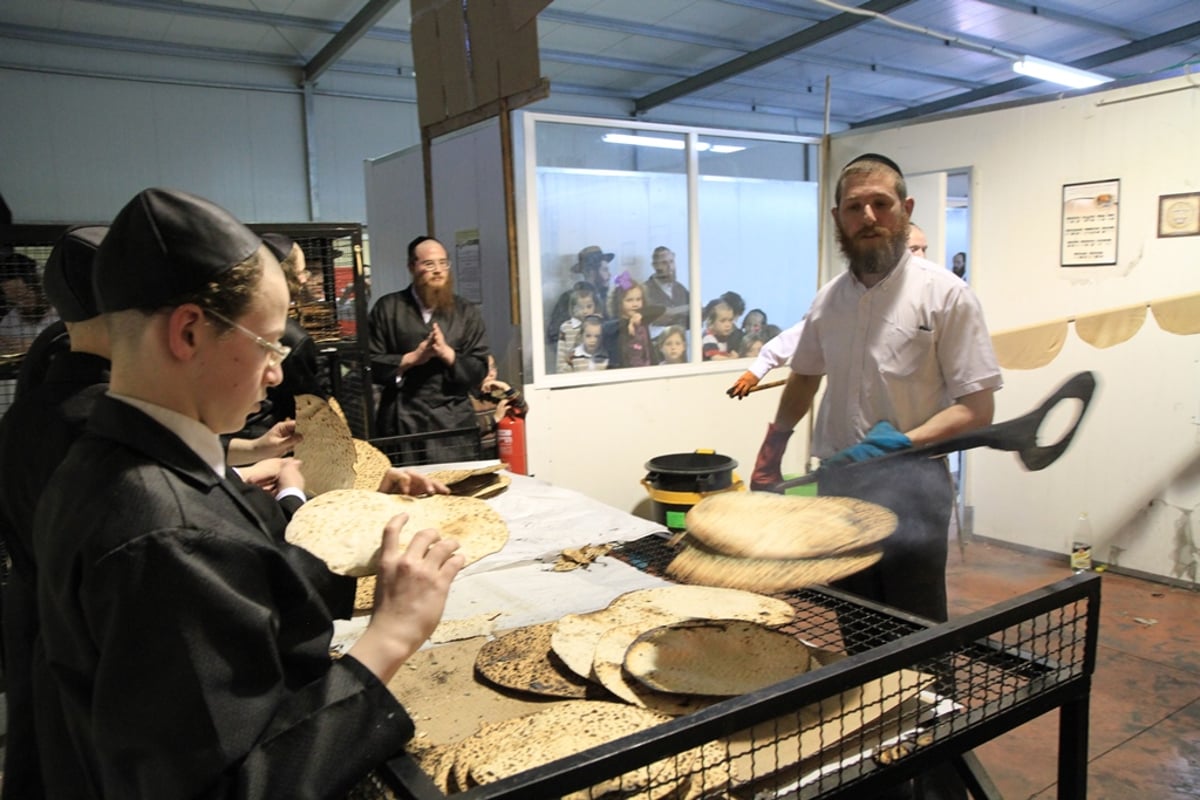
770 455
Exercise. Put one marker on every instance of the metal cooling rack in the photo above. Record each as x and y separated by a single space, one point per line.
907 695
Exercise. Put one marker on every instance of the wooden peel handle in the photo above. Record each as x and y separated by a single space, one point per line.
768 385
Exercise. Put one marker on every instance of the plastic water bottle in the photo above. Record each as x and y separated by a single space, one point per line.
1081 545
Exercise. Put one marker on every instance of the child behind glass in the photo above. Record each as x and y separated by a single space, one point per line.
672 346
589 354
583 305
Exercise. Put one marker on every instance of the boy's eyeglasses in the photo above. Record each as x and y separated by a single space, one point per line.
276 352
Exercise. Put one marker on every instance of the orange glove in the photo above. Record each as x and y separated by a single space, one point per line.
744 384
770 455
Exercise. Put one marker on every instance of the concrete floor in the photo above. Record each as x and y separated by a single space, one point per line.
1144 737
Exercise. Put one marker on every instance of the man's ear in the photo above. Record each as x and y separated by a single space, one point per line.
183 330
909 203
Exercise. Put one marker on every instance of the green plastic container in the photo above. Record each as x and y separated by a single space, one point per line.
806 490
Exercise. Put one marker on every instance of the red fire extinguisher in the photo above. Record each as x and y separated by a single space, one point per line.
510 435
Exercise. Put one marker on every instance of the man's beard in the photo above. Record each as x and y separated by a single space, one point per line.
438 297
876 255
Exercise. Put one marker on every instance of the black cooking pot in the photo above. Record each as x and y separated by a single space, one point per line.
691 472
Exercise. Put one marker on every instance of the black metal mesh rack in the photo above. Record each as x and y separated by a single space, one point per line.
912 696
414 449
333 311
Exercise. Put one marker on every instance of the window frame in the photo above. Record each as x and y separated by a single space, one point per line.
529 234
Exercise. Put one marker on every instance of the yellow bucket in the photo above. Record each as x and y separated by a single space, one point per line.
678 481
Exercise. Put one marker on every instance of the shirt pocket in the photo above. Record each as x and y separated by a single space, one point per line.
909 353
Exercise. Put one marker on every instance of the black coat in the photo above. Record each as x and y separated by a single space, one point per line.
185 654
35 435
433 397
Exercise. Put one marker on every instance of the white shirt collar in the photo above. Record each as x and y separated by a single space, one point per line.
426 311
194 433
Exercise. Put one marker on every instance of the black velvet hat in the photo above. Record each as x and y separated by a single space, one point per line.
278 244
67 277
165 244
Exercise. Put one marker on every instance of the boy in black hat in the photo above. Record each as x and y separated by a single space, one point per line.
276 419
184 651
35 434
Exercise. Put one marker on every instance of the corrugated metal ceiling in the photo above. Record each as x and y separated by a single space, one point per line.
884 60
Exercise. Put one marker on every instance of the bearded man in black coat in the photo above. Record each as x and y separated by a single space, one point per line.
428 352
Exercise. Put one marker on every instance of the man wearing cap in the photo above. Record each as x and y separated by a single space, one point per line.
663 290
592 264
300 368
909 361
428 351
182 650
35 435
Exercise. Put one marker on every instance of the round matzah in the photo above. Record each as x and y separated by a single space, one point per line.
696 566
607 668
364 595
502 749
769 525
326 451
575 635
522 660
344 527
708 657
370 465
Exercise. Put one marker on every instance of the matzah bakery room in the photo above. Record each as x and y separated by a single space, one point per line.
687 400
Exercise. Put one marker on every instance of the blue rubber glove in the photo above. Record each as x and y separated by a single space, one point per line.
882 438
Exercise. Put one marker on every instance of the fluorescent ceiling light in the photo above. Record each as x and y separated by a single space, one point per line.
667 144
1058 73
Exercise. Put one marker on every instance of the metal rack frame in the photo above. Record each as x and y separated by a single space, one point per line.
1021 658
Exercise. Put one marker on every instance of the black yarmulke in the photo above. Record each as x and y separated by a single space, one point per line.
278 244
67 277
165 244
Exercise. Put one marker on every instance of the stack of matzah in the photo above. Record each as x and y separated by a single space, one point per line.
765 542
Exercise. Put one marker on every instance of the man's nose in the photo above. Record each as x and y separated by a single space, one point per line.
869 213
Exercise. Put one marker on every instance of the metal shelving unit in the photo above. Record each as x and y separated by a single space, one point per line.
913 695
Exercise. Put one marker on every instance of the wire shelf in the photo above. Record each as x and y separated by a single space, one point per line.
894 696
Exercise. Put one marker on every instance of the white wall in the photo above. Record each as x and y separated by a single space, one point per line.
597 439
76 148
1135 465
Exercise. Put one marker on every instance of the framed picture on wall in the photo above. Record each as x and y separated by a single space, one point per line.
1089 223
1179 214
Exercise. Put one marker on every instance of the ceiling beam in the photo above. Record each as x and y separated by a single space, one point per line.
797 41
1042 11
1169 38
344 39
277 20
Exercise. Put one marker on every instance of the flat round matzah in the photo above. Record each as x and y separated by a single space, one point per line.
502 749
370 465
522 660
708 657
344 527
607 666
696 566
575 635
769 525
326 451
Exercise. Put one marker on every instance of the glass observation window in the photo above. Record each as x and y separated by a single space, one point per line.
659 247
